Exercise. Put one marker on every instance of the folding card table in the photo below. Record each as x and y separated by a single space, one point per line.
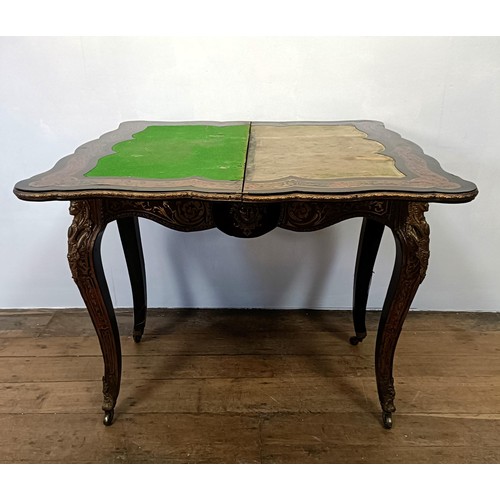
247 179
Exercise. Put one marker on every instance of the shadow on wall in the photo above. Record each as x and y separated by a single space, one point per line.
280 270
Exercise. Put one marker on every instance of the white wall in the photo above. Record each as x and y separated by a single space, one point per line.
442 93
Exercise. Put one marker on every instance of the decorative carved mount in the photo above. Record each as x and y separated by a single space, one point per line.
417 234
311 216
180 214
246 220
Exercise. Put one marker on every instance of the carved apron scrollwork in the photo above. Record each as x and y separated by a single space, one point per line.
311 216
181 214
246 220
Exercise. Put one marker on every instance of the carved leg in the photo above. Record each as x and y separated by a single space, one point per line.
369 242
84 256
411 234
132 248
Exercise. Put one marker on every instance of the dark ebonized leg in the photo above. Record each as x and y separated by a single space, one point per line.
131 241
84 256
411 234
369 243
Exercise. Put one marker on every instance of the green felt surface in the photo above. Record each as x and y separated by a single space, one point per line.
179 151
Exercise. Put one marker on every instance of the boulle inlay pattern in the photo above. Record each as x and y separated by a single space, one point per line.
283 159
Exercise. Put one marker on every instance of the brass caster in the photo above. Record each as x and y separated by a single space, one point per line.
137 335
356 339
108 417
387 419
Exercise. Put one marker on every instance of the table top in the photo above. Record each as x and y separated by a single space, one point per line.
249 161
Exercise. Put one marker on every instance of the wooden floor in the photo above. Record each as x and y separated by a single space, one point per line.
248 386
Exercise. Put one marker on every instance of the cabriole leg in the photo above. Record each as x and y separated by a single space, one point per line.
84 256
411 234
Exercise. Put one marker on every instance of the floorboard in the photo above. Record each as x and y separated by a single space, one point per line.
248 386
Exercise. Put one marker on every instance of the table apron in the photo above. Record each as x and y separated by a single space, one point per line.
248 219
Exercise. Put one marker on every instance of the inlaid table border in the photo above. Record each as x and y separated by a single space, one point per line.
424 179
